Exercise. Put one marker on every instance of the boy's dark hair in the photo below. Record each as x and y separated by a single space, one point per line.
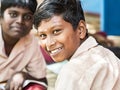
70 10
30 4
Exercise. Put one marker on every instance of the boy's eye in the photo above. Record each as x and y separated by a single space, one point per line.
13 14
56 31
27 17
42 36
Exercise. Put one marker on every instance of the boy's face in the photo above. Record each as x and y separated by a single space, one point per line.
16 22
58 38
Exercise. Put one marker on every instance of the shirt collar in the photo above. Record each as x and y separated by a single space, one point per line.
90 42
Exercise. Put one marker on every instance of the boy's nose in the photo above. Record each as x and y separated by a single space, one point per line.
20 19
50 42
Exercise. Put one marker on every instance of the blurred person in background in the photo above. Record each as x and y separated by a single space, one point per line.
101 38
22 66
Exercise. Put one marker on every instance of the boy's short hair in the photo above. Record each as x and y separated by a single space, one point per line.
70 10
30 4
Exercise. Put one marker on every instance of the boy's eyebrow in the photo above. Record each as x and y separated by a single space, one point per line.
14 8
17 11
54 26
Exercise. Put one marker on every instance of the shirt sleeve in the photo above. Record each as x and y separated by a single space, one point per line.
36 66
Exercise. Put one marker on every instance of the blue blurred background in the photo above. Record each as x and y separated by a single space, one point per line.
109 11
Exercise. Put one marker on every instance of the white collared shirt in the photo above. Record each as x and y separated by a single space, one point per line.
92 67
26 55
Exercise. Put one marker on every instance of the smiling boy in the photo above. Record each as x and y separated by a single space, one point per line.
63 34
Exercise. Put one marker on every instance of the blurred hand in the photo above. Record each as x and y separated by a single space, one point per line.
16 82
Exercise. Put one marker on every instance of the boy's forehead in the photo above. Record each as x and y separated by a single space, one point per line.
54 21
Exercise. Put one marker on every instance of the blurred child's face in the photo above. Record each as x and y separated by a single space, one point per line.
16 22
58 38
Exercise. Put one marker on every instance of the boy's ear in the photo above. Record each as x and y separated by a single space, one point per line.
82 29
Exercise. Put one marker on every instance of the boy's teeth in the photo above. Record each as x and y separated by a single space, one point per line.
56 50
